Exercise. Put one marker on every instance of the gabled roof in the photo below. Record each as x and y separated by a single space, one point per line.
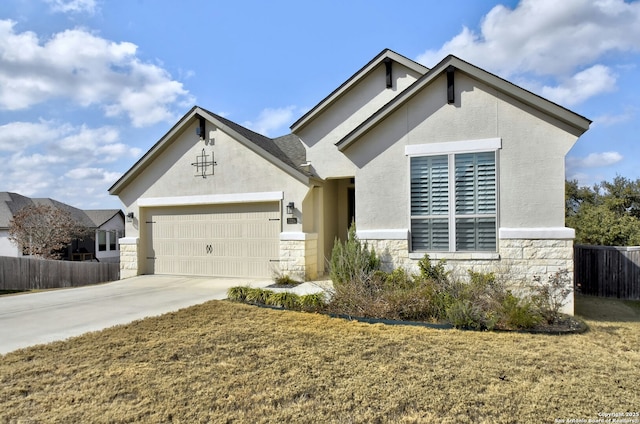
580 123
285 152
12 203
100 217
353 80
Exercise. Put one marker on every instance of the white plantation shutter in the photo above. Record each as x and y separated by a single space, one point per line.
473 216
430 202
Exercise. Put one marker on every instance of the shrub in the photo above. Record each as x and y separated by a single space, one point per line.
313 302
550 296
352 260
284 280
258 296
285 300
238 293
399 279
412 304
435 272
518 313
462 313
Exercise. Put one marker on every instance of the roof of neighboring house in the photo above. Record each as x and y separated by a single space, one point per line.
12 203
100 217
286 152
578 122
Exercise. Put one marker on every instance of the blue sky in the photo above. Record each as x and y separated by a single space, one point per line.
88 86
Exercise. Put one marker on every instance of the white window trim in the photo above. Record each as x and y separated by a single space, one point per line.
454 147
451 149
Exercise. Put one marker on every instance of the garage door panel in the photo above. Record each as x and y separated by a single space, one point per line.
227 240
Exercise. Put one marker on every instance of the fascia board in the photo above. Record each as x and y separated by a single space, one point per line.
352 81
562 114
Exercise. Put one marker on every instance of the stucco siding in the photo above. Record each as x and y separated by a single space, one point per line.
366 97
530 162
238 170
6 247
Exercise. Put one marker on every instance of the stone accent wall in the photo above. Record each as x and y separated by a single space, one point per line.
517 262
298 258
128 260
393 254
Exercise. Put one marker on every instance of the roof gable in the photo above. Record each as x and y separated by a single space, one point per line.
580 123
266 147
12 203
354 80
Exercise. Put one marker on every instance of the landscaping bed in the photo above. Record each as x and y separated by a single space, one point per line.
362 291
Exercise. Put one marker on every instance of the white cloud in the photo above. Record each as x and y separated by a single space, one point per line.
583 85
562 39
69 163
89 70
546 37
614 119
85 174
594 160
73 6
272 121
16 136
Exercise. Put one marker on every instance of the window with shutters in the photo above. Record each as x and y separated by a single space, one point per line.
454 202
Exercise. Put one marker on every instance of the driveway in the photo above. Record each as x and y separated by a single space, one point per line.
35 318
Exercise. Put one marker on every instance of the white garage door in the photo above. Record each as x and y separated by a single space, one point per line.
239 240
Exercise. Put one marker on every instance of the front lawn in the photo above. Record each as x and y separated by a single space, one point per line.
229 362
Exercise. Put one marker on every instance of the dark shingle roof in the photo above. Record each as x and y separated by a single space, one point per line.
11 203
288 148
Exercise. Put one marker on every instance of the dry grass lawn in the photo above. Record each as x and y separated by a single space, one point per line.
226 362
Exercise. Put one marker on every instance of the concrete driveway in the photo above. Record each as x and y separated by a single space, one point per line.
36 318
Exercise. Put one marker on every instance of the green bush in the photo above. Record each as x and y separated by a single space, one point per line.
238 293
258 296
518 313
435 272
285 280
463 313
352 260
399 279
313 302
285 300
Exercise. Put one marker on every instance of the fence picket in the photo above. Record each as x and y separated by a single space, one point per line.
29 274
608 271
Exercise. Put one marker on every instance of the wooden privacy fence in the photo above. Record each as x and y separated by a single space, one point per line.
608 271
30 274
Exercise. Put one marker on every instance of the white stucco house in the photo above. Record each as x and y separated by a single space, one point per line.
451 161
108 225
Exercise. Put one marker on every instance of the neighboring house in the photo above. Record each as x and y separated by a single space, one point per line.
451 161
108 225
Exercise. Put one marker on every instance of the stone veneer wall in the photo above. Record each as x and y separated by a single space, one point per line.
298 258
128 258
518 260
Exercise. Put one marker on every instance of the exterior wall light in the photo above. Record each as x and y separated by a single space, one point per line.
130 217
290 208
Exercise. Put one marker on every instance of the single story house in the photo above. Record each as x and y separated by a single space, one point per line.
452 161
107 223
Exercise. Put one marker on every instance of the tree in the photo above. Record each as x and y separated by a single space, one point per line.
607 214
43 231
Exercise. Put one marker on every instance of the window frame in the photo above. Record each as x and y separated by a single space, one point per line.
451 150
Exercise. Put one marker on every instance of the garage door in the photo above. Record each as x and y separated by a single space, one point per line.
239 240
